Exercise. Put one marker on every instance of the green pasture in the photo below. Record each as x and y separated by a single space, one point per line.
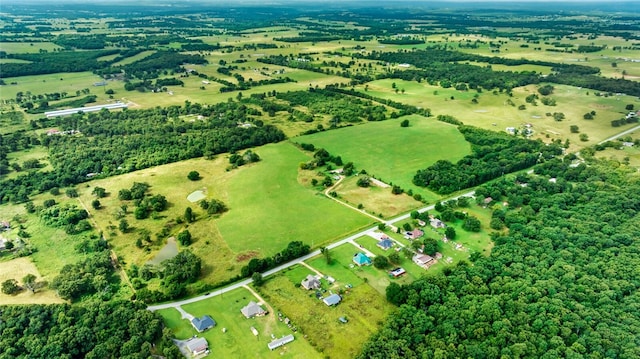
39 153
134 58
170 181
238 341
393 153
494 111
275 209
69 82
374 199
268 208
27 47
364 308
54 247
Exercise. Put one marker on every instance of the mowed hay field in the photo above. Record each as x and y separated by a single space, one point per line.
268 208
375 199
17 269
393 153
494 112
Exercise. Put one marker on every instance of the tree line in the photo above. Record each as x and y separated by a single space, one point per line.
494 154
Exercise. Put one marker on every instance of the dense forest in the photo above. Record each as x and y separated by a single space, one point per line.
562 282
118 329
494 154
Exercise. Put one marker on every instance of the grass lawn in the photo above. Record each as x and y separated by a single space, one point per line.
238 341
392 153
364 308
69 82
376 200
413 270
17 269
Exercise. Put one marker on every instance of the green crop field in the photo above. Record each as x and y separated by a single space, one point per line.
393 153
238 341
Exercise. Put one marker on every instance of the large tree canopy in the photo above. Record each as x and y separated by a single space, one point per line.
562 283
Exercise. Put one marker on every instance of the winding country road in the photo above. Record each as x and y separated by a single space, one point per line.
290 264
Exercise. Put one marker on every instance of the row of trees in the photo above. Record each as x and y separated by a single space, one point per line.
294 250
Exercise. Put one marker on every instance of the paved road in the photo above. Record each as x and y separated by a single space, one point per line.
625 132
289 264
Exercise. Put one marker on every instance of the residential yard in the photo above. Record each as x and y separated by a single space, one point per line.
392 153
364 308
375 199
238 341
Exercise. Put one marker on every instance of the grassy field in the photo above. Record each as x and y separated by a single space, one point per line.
494 111
631 154
393 153
376 200
268 208
238 341
69 82
17 269
27 47
364 308
275 209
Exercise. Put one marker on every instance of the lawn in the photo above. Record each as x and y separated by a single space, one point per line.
632 154
375 199
238 341
364 308
393 153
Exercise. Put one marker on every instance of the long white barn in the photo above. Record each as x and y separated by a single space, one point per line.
71 111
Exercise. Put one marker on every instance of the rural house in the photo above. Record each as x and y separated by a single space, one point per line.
422 260
385 244
361 259
332 300
202 324
397 272
310 282
197 346
253 310
436 223
415 234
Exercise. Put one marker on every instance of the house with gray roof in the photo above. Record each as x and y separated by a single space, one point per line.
253 310
311 282
202 324
197 346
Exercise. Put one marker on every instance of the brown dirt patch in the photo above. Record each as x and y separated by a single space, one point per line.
246 256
